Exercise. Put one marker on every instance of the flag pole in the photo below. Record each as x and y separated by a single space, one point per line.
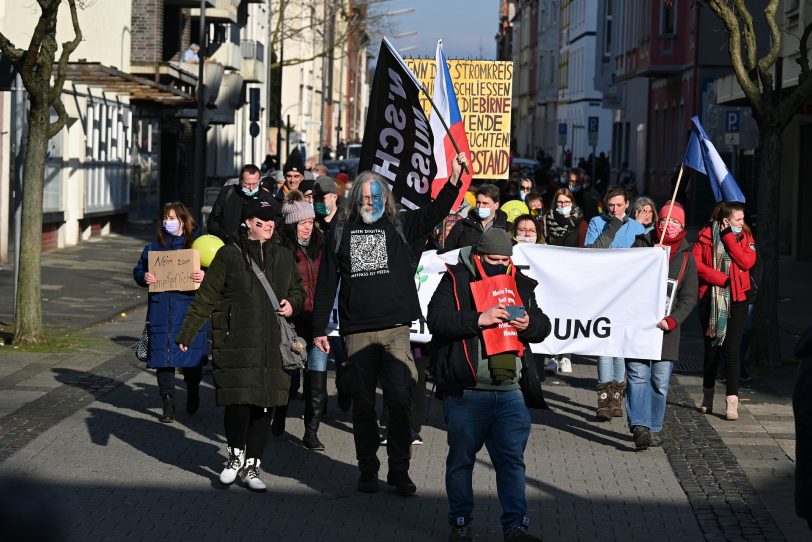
673 201
447 129
420 85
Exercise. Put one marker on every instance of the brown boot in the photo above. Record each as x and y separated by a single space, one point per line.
732 413
707 401
618 390
604 411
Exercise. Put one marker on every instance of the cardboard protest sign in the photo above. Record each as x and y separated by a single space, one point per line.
173 269
483 89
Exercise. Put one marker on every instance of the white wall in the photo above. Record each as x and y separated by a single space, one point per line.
578 97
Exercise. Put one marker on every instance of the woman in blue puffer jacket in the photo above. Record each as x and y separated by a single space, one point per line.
176 231
613 229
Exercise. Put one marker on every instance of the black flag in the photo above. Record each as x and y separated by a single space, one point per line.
397 138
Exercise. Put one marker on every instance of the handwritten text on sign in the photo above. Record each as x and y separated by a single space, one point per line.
173 269
483 91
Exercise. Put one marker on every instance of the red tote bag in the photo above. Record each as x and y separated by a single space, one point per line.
488 292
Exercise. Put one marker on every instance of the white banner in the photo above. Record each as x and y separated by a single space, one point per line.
600 302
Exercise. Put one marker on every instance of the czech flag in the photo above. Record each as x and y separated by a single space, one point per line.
445 99
702 156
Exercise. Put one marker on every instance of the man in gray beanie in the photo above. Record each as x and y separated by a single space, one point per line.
482 400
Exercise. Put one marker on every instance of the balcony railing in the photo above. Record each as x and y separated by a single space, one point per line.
252 50
253 61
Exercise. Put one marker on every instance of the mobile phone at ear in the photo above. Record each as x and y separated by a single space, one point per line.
515 312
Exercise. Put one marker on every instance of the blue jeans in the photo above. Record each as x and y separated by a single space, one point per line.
500 421
317 360
611 369
646 392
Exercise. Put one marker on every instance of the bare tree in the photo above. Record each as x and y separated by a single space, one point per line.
328 24
43 78
773 108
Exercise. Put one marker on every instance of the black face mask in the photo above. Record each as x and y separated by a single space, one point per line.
493 269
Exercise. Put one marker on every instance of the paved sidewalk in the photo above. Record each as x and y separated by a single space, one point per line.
85 284
119 474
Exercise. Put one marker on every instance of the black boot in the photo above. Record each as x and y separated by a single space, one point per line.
168 415
192 397
315 386
280 414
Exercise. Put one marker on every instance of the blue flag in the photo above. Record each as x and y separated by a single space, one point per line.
701 156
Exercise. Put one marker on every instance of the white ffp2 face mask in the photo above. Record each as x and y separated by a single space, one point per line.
483 213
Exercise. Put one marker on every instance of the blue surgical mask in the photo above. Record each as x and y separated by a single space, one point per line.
483 212
250 193
575 188
736 230
564 210
171 226
321 209
522 195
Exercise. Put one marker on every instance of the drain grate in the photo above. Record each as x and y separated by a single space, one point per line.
689 363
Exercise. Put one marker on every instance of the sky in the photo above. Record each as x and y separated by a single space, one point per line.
467 27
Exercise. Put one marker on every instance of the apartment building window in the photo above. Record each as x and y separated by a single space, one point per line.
563 70
668 19
792 13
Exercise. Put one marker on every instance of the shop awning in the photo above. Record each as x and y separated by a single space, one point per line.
112 79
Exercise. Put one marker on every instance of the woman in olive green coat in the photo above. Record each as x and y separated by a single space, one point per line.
248 374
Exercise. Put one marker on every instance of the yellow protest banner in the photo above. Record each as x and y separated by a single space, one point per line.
484 90
173 269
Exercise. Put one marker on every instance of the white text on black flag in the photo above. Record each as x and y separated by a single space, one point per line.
397 139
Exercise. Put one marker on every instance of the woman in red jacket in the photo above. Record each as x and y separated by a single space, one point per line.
724 252
300 235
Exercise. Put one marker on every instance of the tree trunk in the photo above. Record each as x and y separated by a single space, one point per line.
766 347
28 313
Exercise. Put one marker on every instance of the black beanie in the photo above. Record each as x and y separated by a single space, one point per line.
294 163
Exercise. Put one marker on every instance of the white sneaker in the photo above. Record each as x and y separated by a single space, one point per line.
250 476
551 365
235 462
566 365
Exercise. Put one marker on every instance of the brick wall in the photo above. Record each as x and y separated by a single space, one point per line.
147 31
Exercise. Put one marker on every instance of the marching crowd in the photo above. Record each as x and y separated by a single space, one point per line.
297 240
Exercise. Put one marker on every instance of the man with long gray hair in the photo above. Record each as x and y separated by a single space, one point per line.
372 251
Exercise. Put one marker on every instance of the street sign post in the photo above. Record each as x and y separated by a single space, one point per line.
592 136
592 132
562 133
562 139
732 133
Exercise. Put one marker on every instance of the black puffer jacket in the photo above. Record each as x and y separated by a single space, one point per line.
466 232
226 212
453 320
246 338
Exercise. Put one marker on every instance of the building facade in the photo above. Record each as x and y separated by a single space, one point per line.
578 97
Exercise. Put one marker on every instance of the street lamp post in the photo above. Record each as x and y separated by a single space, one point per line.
199 181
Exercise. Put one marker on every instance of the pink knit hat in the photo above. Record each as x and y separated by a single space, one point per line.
296 209
678 213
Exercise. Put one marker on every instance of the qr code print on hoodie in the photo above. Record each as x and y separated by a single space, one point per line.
368 254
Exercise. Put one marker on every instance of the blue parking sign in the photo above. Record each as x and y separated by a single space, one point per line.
732 121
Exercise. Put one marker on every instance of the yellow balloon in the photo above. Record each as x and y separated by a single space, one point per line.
207 246
514 209
471 199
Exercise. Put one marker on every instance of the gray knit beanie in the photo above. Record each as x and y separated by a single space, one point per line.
296 209
495 241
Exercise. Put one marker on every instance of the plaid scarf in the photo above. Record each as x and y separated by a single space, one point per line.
557 225
720 295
